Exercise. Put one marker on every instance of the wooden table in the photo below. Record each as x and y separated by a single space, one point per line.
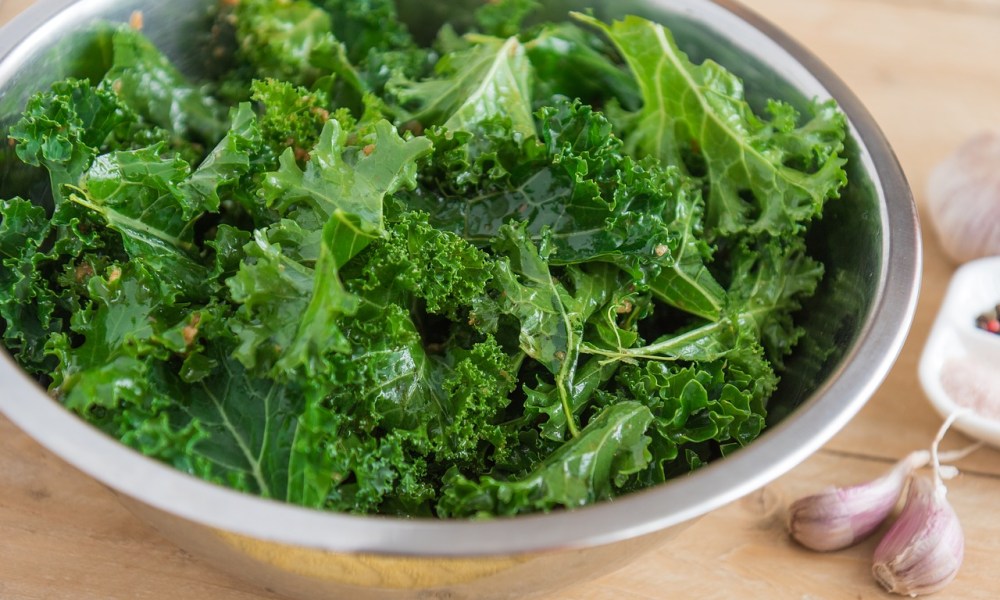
928 71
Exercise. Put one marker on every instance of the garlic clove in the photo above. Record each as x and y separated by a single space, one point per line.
923 550
839 517
963 199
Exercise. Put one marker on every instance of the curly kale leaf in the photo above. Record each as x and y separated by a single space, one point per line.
471 86
278 38
367 27
586 469
341 468
349 194
139 194
571 62
596 202
392 409
225 165
27 301
292 116
346 184
152 86
131 377
293 41
552 314
769 281
408 375
692 405
247 427
768 176
336 209
228 428
503 18
318 327
404 387
396 402
411 379
417 260
478 388
64 128
272 291
111 378
125 306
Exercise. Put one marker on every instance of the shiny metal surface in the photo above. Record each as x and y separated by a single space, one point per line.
869 241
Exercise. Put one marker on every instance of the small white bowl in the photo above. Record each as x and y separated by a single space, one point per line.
960 360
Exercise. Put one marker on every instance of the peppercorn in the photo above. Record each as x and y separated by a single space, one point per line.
990 320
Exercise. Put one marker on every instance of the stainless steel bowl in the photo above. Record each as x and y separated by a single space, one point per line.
856 325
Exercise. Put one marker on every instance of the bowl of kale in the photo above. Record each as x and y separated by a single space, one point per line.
452 300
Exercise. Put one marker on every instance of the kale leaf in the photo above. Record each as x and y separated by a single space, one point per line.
148 82
470 86
523 269
763 175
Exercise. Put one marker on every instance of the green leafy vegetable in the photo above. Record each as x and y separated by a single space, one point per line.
367 27
281 39
292 115
471 86
65 128
138 194
765 176
416 281
597 202
27 301
225 165
582 471
573 62
147 82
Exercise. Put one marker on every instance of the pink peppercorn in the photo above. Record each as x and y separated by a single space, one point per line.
990 320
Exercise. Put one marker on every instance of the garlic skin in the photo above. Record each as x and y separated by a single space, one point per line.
839 517
963 199
923 550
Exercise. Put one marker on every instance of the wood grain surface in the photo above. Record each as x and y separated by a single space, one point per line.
928 71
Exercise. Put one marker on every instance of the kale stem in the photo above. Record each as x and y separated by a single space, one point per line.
664 350
568 409
125 224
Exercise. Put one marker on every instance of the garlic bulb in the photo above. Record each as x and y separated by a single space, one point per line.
922 551
963 199
838 517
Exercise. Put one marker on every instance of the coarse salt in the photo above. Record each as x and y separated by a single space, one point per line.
974 384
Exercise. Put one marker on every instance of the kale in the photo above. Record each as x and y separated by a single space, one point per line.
768 176
525 269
